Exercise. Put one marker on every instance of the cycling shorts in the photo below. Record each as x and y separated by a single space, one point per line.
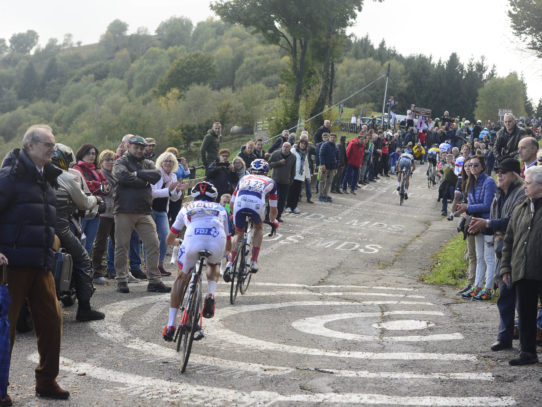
432 159
240 215
193 244
406 165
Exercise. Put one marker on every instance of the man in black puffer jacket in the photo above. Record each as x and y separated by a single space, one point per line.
133 205
27 231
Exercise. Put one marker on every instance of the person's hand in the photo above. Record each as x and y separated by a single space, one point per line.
173 185
461 208
231 167
282 161
506 279
3 259
477 225
177 242
181 186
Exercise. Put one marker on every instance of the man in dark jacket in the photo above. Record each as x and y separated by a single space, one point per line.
220 174
326 128
521 259
338 178
27 230
278 142
211 144
508 138
133 200
329 162
283 164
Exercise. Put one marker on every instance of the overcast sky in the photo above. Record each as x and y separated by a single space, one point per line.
438 27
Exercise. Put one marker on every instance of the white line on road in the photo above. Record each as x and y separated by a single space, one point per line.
363 374
329 294
334 286
316 326
158 389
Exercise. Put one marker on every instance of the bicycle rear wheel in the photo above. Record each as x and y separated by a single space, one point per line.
402 189
244 276
234 276
194 318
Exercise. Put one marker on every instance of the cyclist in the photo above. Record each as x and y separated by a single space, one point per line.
207 228
405 162
249 200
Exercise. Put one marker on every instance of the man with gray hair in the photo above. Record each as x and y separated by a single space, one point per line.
506 145
527 149
521 259
27 230
326 128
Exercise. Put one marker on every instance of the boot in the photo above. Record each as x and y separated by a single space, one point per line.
85 313
163 271
52 391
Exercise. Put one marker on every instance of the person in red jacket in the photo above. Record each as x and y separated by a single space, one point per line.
354 158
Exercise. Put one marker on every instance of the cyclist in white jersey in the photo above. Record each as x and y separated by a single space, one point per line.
249 199
207 228
406 162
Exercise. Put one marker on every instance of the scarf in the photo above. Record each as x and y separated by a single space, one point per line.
302 155
166 178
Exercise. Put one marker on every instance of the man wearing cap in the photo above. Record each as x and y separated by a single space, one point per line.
509 194
149 150
133 200
527 149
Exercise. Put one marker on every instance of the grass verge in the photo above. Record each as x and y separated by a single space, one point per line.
450 265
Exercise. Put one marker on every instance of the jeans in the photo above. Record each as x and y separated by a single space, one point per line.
448 194
162 227
135 253
507 311
308 189
351 176
485 260
90 228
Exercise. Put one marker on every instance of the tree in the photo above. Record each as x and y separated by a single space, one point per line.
194 68
291 25
29 85
501 93
22 43
526 18
114 37
175 31
3 47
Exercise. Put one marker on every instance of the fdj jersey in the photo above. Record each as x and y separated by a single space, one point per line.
207 228
405 162
249 198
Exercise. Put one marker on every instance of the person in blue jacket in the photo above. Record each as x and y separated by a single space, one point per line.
329 162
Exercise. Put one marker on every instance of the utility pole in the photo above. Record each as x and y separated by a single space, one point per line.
385 95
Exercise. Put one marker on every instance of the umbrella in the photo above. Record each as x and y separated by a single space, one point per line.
5 348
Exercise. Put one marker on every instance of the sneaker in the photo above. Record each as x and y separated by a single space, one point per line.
227 272
100 281
484 295
524 358
131 278
209 306
158 288
321 199
138 274
472 293
122 287
253 266
296 211
280 220
345 191
339 192
353 192
468 287
168 333
398 189
443 213
309 201
288 210
199 335
406 196
328 199
450 217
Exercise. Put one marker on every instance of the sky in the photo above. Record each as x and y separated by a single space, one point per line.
470 28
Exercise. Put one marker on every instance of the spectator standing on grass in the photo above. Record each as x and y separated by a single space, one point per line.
521 259
325 128
211 144
133 200
302 173
509 194
481 189
283 163
329 161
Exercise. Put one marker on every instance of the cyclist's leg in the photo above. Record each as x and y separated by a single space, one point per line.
216 247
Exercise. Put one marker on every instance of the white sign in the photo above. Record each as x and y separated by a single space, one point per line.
502 112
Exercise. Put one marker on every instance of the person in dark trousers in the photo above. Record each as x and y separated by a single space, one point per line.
210 145
283 164
520 263
27 230
338 178
329 161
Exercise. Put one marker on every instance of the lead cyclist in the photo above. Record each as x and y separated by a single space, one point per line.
406 162
248 199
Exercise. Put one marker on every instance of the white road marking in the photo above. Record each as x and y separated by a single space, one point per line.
316 326
333 286
158 389
254 293
216 328
364 374
404 325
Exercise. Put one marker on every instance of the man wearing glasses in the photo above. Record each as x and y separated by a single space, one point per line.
508 138
27 229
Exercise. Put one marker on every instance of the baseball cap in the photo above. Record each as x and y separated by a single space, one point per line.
509 165
150 141
138 140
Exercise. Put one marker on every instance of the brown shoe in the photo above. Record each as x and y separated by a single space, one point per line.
538 335
6 401
52 391
516 332
163 271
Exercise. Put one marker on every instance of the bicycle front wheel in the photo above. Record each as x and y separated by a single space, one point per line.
193 319
234 276
244 276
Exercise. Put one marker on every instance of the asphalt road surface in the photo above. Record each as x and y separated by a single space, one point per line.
337 316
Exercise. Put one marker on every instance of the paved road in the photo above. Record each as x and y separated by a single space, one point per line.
337 316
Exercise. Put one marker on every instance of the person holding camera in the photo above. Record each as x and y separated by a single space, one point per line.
509 193
481 191
70 198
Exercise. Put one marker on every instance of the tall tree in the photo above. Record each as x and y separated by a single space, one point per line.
29 84
175 31
194 68
526 18
501 93
293 25
22 43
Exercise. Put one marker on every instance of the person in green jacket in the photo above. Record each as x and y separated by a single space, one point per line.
209 147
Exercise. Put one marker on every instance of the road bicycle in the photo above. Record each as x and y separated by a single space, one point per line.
190 325
402 187
430 176
240 269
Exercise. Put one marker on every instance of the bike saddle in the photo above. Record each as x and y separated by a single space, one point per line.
204 253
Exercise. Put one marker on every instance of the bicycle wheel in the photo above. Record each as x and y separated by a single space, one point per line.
178 333
402 189
234 276
193 318
244 276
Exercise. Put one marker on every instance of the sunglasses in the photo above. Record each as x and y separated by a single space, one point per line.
501 172
475 165
539 159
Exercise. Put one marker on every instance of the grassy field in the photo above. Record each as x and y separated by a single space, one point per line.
450 266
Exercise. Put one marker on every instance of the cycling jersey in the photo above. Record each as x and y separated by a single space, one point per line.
433 155
405 162
249 199
207 228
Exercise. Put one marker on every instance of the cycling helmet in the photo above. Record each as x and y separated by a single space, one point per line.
259 166
63 156
204 191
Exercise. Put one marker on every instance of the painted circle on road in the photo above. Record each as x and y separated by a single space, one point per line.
403 325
